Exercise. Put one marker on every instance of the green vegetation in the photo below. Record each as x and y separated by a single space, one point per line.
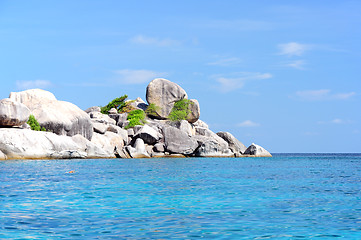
117 103
34 124
136 117
180 110
152 110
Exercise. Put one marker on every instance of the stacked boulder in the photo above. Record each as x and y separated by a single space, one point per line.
73 133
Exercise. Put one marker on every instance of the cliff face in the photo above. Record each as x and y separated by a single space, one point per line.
170 127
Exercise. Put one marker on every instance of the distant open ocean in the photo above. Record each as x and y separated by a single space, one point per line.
289 196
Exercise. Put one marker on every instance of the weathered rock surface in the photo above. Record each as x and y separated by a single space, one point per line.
18 143
120 119
139 150
209 134
113 111
93 109
62 118
32 96
92 150
120 131
194 111
101 118
100 127
184 126
164 93
200 123
257 151
148 134
233 143
2 156
177 141
138 104
211 148
110 142
158 147
13 113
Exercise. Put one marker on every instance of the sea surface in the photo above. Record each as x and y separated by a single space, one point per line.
289 196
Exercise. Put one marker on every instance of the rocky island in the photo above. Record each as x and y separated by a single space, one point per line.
168 125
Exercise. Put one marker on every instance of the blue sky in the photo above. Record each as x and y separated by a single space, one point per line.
283 74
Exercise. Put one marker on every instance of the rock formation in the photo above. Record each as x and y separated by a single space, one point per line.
91 134
62 118
13 113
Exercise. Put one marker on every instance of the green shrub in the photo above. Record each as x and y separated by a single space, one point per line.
34 124
117 103
180 110
152 110
136 117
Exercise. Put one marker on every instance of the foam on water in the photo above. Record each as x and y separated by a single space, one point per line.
289 196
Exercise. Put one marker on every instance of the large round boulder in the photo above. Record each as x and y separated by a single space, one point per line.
13 113
60 117
164 93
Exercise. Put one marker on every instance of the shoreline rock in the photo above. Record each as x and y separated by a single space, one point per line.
91 134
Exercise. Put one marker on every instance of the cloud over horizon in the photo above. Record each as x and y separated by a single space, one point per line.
248 123
129 76
293 49
322 95
144 40
23 85
237 80
297 64
335 121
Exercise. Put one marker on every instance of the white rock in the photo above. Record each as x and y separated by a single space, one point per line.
257 151
139 150
113 111
13 113
200 123
92 150
100 127
62 118
110 142
18 143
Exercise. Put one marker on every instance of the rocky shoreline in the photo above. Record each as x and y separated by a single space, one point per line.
73 133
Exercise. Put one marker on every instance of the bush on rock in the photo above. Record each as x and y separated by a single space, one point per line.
180 110
34 124
136 117
117 103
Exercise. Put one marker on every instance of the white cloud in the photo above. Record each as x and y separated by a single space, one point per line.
129 76
322 95
226 62
336 121
248 123
33 84
293 49
298 64
144 40
237 80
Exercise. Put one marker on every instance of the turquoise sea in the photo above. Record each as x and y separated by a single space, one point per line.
289 196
